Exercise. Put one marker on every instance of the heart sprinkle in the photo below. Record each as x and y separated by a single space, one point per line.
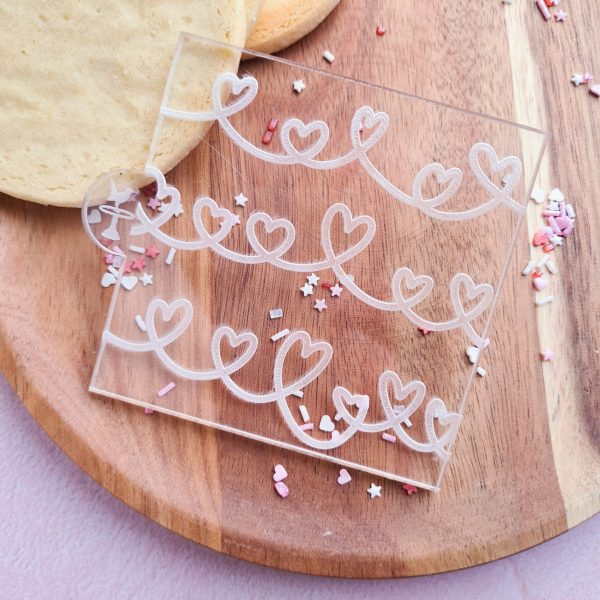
279 473
344 477
326 424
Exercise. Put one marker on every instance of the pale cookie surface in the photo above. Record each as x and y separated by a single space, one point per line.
283 22
82 83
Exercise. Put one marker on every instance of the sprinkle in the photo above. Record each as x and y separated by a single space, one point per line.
374 491
320 305
298 86
307 289
153 203
547 355
336 290
328 56
326 424
595 90
388 437
551 266
472 354
138 264
528 268
344 477
543 9
306 427
556 195
577 79
282 489
409 489
304 413
148 411
380 30
298 393
481 372
170 256
128 266
540 284
279 335
423 330
267 137
545 300
312 279
560 16
326 284
146 279
540 238
276 313
556 240
138 249
570 211
140 322
537 195
272 125
545 258
279 473
240 200
548 248
152 251
109 259
588 77
165 390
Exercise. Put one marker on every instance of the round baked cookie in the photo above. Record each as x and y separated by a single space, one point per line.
82 82
283 22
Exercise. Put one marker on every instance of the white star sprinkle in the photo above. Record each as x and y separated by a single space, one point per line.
307 289
312 279
299 85
320 305
240 200
336 290
235 220
374 491
146 279
577 79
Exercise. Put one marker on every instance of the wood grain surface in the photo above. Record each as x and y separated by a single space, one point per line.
526 464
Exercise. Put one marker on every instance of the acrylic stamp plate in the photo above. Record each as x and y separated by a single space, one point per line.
318 201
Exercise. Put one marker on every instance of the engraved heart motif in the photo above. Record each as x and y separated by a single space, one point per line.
350 223
342 398
450 178
303 130
436 410
244 89
216 212
389 381
365 118
511 166
270 225
404 278
462 286
235 340
166 312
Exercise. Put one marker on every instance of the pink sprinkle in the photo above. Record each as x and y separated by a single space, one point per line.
547 355
543 9
595 90
272 124
423 330
587 78
306 426
282 489
539 283
388 437
409 489
555 227
148 411
165 390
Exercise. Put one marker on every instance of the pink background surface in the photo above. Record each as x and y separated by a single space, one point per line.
62 536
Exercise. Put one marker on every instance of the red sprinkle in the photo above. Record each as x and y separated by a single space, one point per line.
267 137
548 248
272 124
409 489
423 330
326 284
380 30
128 266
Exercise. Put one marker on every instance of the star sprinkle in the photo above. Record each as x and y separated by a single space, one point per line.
152 251
236 220
138 264
409 489
374 491
312 279
560 16
298 86
577 79
128 266
336 290
147 279
153 203
320 305
240 200
547 355
307 289
178 211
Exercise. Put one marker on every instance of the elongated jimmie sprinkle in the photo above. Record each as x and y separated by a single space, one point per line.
165 390
545 300
170 256
541 4
388 437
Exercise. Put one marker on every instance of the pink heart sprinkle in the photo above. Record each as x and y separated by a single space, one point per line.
280 473
539 283
540 238
344 477
282 489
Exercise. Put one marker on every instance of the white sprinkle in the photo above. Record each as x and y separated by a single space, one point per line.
537 195
137 249
280 334
276 313
528 268
328 56
556 195
298 394
165 390
304 413
140 322
542 261
556 240
170 256
481 372
551 266
554 206
545 300
570 211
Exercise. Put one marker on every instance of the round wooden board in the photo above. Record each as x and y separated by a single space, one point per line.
526 464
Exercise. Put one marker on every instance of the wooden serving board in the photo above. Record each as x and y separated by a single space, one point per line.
526 466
